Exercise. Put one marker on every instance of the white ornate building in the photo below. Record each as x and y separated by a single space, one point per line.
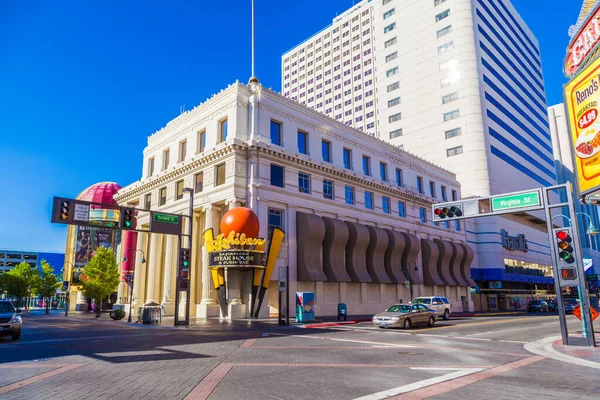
353 217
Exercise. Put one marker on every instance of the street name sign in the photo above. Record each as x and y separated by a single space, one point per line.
169 224
166 218
516 201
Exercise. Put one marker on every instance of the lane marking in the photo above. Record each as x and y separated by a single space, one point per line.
457 383
512 341
313 365
84 338
207 385
458 373
37 378
355 341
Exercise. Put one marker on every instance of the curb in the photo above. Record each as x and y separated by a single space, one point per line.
336 323
545 347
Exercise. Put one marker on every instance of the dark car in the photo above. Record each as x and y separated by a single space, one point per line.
10 320
537 306
570 305
552 306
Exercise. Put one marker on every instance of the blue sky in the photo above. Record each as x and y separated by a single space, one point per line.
83 84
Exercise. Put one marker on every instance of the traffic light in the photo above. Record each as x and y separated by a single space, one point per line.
184 274
564 247
448 211
184 258
127 218
568 274
64 210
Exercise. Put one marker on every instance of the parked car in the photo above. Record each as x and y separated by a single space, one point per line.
438 303
552 306
537 306
405 316
570 305
10 320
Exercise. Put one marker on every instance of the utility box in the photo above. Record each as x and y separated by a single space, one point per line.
342 312
305 306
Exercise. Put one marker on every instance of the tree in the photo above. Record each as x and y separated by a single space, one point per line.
45 283
17 281
100 276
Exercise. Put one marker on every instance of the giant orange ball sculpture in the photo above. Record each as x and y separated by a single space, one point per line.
240 220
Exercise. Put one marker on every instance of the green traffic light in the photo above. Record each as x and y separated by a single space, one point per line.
185 263
128 224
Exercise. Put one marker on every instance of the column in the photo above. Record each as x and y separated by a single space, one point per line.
139 276
169 281
208 307
153 269
196 262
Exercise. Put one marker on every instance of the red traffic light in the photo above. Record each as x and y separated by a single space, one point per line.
562 235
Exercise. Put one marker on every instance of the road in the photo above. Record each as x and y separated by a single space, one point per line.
81 358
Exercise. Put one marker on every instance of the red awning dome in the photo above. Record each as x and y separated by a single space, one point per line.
101 192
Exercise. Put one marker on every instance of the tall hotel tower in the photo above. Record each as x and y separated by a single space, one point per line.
457 82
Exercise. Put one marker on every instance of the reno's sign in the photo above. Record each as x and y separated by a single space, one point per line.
583 44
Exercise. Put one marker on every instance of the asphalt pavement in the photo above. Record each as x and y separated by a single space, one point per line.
78 357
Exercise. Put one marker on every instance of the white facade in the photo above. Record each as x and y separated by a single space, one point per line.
249 138
563 155
458 82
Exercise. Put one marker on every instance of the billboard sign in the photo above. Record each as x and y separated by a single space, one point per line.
582 100
583 44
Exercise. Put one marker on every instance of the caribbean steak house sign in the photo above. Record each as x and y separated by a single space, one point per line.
583 44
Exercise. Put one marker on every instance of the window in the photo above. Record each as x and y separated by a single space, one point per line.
454 195
450 97
401 209
349 194
423 215
369 200
223 130
442 15
328 189
432 189
444 194
454 151
162 200
326 150
393 102
198 182
393 86
392 72
389 13
148 201
151 166
395 117
165 159
383 173
277 175
445 47
385 204
420 184
444 31
391 56
390 27
220 174
303 182
366 161
302 142
179 190
182 150
276 133
445 82
396 133
201 145
386 2
275 220
438 2
399 177
451 115
452 133
347 158
391 42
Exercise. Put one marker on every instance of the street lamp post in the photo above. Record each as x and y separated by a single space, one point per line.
130 281
408 265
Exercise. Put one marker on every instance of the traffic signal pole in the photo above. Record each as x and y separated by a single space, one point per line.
587 338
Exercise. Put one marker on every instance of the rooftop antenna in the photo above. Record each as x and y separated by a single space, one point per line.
181 109
253 79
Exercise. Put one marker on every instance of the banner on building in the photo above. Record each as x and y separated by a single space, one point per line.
582 100
87 242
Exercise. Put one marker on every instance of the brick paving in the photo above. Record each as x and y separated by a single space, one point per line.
220 360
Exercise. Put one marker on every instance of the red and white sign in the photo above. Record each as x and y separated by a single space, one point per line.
582 45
